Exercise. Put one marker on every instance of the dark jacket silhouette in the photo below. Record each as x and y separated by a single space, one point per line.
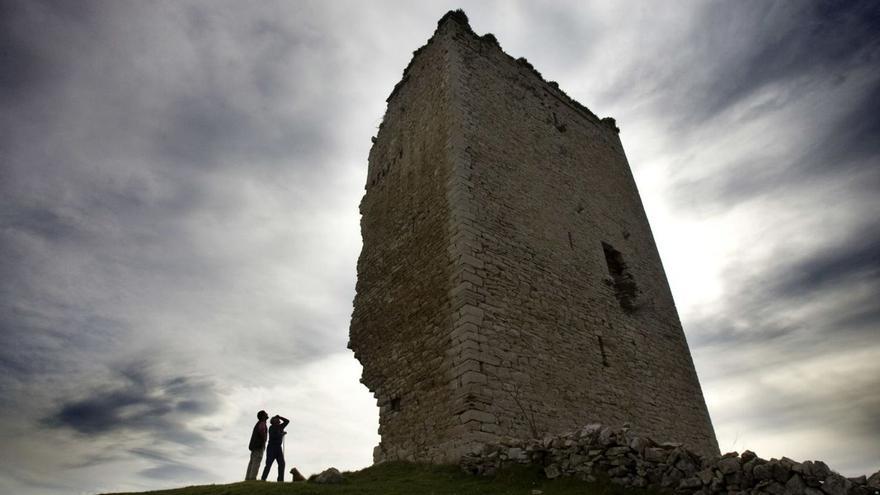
256 446
258 437
274 451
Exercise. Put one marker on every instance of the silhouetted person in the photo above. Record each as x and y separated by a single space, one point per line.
256 446
273 450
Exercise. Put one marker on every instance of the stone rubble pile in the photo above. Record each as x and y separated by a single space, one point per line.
627 459
330 476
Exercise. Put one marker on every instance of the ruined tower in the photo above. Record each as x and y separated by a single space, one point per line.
509 284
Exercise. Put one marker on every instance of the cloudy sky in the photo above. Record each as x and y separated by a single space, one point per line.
179 185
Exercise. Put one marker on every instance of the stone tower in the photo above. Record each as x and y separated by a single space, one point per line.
509 284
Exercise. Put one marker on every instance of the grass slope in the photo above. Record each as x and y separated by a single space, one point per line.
397 478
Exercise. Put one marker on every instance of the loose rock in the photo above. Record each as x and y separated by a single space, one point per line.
628 460
329 476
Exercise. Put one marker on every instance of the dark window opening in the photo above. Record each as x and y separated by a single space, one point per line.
625 288
395 404
557 124
570 241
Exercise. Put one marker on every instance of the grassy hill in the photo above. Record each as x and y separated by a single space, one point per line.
410 479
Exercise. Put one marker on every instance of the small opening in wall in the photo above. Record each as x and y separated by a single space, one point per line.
625 288
602 350
559 125
570 241
395 404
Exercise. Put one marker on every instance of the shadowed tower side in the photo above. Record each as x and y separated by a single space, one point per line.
402 320
509 284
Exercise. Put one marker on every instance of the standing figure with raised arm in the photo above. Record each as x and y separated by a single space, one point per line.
274 452
256 446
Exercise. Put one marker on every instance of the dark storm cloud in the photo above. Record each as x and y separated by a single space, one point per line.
159 165
193 111
142 403
734 50
31 339
795 49
26 68
840 148
50 225
787 41
756 312
851 141
844 263
147 125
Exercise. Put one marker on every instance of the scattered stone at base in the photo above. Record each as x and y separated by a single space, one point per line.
330 476
874 481
795 485
689 483
516 454
619 456
729 465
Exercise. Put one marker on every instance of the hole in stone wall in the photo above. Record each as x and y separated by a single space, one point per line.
559 125
570 241
602 350
625 288
395 404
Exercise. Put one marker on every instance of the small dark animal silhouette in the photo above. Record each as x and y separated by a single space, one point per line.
297 476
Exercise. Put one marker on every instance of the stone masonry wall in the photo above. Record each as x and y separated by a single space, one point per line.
401 321
509 284
575 320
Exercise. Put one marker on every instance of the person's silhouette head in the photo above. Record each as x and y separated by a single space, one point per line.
275 420
262 416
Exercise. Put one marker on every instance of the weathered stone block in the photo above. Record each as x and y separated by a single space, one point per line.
655 454
472 377
474 415
671 478
729 465
836 484
763 472
795 485
690 484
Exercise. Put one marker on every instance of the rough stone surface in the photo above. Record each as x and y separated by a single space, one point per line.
874 481
509 284
728 465
330 476
589 455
